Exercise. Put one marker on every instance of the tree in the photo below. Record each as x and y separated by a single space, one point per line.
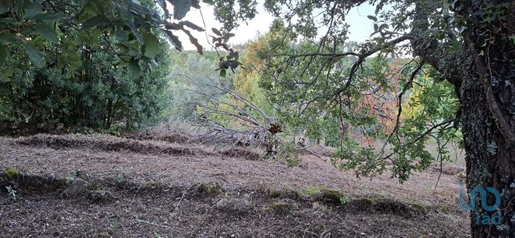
469 44
75 73
90 62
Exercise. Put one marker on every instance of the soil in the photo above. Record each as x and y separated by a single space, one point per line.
106 186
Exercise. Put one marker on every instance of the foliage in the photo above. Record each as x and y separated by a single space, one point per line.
87 76
191 77
246 80
231 60
352 95
365 109
11 193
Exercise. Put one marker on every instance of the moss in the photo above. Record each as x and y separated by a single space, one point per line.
274 193
281 206
33 182
11 173
210 188
331 196
292 194
283 194
312 191
327 195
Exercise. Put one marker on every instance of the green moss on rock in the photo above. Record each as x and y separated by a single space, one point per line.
330 196
281 206
10 173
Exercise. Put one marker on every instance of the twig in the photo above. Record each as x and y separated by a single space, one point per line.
148 222
182 197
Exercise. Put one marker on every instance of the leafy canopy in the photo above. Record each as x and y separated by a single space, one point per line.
352 95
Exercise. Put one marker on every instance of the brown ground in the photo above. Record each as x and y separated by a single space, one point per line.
148 188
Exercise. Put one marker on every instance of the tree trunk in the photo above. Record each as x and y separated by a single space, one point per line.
488 113
490 161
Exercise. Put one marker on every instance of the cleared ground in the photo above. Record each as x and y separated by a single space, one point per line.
156 187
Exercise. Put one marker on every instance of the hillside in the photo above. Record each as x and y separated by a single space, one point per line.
157 187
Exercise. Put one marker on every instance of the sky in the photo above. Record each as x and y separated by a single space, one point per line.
360 26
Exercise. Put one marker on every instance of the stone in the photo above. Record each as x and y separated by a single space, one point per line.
235 205
76 187
100 196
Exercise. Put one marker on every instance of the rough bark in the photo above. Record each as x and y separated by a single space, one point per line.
488 112
483 72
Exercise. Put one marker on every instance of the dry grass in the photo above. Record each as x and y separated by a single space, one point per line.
141 188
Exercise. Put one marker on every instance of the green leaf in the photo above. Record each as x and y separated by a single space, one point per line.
121 35
125 14
28 31
47 32
138 8
174 40
135 32
32 9
235 55
4 7
173 26
228 36
122 47
125 58
233 64
18 4
194 41
151 45
162 4
195 4
180 8
90 9
93 22
191 25
35 56
49 16
216 32
512 38
223 73
7 39
3 55
8 20
373 18
134 69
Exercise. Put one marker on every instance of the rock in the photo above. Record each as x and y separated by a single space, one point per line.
76 187
236 205
100 196
281 207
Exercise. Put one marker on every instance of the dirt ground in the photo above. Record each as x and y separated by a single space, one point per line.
105 186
